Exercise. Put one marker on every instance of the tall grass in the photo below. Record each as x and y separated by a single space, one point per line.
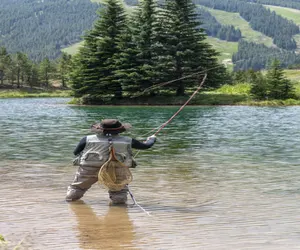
24 94
236 89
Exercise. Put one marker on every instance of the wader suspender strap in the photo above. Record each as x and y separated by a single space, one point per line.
110 141
112 155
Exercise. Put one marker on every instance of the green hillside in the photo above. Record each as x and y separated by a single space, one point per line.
288 13
227 49
71 50
229 18
291 14
45 28
42 28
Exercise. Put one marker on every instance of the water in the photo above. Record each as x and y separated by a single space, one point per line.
218 178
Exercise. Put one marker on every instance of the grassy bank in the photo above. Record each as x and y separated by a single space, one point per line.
238 94
14 93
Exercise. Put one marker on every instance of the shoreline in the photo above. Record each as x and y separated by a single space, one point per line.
273 103
205 98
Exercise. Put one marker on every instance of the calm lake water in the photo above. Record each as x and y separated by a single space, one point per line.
217 178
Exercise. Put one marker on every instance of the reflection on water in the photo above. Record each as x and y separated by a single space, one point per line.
218 178
112 231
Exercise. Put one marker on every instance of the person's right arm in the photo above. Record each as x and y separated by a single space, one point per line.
143 145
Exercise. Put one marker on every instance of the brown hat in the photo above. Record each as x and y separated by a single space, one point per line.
110 126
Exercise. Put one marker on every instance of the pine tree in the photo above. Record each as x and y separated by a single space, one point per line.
259 86
185 49
34 76
126 63
63 66
22 67
46 68
279 86
93 67
4 63
144 41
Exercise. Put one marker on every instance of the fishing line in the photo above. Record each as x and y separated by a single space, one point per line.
161 127
135 203
182 107
182 78
175 80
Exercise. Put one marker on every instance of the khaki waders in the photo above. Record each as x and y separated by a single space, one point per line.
85 177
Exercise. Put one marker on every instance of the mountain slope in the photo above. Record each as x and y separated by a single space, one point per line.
44 28
290 14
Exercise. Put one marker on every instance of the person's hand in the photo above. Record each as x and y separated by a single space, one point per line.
152 137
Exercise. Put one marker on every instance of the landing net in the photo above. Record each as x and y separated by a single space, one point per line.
113 174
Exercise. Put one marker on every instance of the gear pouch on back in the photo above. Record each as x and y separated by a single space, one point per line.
93 156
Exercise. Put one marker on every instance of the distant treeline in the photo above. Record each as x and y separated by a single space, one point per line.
258 56
42 28
260 19
294 4
19 71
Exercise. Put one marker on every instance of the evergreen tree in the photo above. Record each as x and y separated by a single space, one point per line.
93 68
280 87
145 32
259 86
46 69
63 68
126 63
4 63
185 49
22 68
11 70
34 75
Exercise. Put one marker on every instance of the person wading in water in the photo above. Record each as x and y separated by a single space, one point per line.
93 151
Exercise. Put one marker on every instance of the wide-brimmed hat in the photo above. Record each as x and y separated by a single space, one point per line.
110 126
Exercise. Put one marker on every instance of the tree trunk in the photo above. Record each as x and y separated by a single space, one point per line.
179 74
180 90
63 82
18 79
118 92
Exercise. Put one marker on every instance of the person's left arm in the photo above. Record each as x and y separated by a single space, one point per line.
80 146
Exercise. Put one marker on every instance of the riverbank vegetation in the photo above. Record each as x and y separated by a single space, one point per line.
153 55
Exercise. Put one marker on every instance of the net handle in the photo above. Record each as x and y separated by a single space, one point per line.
112 154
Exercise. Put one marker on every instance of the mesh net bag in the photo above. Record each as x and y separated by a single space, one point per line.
113 174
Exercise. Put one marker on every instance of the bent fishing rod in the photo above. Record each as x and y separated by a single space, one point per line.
162 127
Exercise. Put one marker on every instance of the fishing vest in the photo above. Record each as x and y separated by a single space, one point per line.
96 151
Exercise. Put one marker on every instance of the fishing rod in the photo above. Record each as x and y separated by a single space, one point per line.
182 107
162 127
191 97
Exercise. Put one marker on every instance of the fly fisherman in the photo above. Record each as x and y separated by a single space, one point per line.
93 151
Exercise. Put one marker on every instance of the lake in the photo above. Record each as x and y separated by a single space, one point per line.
219 177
